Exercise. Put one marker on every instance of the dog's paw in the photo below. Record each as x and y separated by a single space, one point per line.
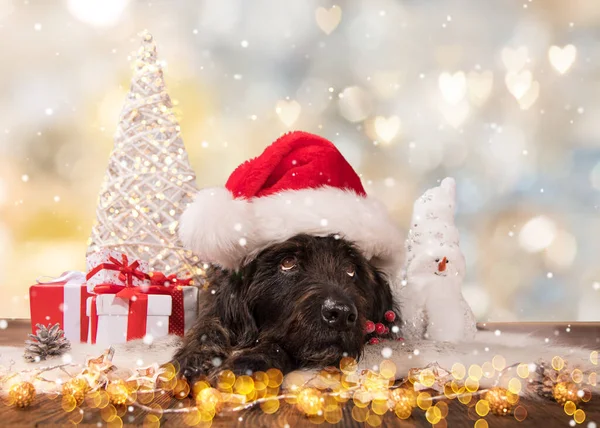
193 367
247 364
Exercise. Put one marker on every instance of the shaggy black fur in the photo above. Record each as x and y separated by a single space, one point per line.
300 303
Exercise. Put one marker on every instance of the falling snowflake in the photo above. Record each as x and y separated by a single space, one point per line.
386 352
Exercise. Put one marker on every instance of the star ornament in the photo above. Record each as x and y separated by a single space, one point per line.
432 376
146 375
102 364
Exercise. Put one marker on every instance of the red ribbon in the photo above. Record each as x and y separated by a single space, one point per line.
177 319
137 317
138 312
138 303
159 278
46 297
129 292
126 271
93 320
83 319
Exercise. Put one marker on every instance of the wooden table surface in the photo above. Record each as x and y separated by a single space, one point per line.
540 414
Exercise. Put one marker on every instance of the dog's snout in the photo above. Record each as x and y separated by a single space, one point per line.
339 314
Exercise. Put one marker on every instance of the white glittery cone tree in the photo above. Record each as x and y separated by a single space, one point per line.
431 300
149 181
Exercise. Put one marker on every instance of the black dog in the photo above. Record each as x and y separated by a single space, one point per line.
301 303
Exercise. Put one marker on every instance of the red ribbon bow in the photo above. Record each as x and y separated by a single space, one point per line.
159 278
126 271
138 305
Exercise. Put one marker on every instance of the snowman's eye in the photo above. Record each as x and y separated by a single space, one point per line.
437 260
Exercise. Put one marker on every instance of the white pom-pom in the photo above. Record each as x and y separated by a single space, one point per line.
215 224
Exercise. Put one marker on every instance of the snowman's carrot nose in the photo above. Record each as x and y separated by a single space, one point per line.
442 265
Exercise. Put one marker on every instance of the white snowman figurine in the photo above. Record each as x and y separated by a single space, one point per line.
432 303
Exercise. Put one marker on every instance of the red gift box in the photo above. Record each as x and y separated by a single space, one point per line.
184 307
61 300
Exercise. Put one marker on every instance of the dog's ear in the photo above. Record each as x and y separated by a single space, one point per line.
231 304
383 300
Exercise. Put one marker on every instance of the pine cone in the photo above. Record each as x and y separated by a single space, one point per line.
547 379
542 380
48 341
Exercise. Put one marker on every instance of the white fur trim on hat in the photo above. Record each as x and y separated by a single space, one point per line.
228 231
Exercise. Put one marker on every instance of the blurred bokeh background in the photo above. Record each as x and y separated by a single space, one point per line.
500 94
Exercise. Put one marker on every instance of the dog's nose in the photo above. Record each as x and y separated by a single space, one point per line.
338 314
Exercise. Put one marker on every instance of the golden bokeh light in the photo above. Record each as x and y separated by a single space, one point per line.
482 408
481 423
557 363
433 415
309 401
520 413
514 385
523 371
387 369
458 371
570 408
424 400
426 377
475 372
275 378
499 362
579 416
348 365
577 376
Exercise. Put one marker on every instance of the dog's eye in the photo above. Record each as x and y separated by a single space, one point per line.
351 270
288 263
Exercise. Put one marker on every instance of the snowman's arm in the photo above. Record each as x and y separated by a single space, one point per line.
446 320
412 308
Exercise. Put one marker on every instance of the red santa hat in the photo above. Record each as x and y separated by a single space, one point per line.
300 184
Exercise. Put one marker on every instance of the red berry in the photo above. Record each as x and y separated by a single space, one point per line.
379 328
390 316
387 330
369 327
400 339
373 341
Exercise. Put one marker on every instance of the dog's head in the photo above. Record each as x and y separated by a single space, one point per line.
312 296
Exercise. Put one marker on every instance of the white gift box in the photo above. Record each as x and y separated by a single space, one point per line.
113 317
165 314
111 276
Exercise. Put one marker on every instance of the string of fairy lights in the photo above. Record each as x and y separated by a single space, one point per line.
321 398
